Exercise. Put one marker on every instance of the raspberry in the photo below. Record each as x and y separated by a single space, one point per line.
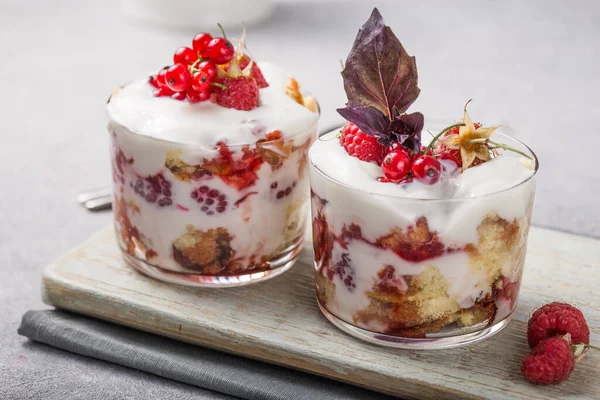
557 319
550 362
345 271
154 189
210 200
256 73
361 145
283 192
240 93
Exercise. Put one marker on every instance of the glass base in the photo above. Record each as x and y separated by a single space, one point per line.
278 267
429 343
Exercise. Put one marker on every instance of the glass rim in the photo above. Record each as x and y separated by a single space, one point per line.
205 146
449 200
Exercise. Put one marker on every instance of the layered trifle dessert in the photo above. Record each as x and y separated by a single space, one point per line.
209 160
419 229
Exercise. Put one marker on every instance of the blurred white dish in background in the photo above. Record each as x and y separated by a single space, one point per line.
198 14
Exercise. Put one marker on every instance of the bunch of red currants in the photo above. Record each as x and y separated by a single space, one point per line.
194 71
397 163
399 166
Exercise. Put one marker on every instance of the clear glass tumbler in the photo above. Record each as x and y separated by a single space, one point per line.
210 215
420 274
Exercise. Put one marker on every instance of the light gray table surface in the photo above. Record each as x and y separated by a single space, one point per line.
530 64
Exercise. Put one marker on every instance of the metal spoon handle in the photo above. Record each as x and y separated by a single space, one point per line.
93 194
100 203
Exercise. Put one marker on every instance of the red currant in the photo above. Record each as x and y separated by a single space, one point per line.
396 165
185 56
161 78
395 146
200 43
406 179
152 80
179 96
451 155
209 69
195 97
163 92
201 82
426 169
177 78
161 84
220 51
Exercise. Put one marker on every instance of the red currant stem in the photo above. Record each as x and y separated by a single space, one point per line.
439 135
589 346
193 66
222 30
504 147
215 84
428 131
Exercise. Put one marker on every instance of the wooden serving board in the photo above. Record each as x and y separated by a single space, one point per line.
278 321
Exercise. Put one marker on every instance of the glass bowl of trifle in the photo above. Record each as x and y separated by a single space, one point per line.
209 160
419 242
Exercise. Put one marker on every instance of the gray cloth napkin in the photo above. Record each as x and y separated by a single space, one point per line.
194 365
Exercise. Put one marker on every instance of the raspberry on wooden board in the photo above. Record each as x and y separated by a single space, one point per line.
557 319
551 362
559 336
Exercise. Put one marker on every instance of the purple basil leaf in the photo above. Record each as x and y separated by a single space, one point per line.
368 119
408 128
378 71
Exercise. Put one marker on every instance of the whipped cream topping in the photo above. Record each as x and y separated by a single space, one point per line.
493 176
205 123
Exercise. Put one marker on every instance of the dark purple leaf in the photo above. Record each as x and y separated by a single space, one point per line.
368 119
378 71
408 128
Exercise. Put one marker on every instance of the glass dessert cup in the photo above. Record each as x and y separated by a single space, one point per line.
420 273
213 216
